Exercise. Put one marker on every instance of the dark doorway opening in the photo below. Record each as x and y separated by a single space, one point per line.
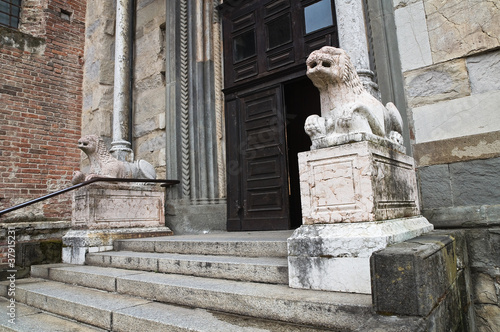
301 99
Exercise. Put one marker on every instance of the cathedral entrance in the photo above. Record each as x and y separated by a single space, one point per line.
267 99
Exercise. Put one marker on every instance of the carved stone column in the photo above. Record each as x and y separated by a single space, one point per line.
353 38
194 116
121 146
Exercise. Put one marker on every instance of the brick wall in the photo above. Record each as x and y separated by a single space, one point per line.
40 109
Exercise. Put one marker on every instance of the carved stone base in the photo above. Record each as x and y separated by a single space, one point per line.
336 257
104 206
103 213
357 182
77 243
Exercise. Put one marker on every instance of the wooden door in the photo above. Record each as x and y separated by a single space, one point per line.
259 200
266 43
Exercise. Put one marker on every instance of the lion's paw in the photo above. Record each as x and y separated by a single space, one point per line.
396 137
78 177
344 123
91 176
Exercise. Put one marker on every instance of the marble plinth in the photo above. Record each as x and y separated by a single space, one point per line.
104 206
336 257
357 182
105 212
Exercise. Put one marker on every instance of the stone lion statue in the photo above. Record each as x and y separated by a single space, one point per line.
103 164
346 107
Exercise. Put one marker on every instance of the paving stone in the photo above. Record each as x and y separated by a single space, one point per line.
32 319
82 304
263 269
247 244
277 302
89 276
162 317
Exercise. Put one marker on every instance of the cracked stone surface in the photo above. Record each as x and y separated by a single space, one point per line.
461 27
437 83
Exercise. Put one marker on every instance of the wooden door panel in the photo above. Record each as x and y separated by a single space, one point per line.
263 189
266 37
234 203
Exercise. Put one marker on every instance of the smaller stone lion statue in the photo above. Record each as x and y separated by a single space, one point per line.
346 107
103 164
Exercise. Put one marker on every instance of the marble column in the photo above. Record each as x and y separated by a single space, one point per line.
121 145
353 38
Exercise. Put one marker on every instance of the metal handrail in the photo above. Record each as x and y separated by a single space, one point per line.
165 183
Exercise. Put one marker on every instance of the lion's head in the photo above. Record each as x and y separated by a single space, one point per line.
88 144
93 145
330 65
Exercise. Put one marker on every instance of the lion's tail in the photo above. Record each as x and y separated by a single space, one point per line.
146 170
395 120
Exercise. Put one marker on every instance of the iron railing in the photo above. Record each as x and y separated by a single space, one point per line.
164 183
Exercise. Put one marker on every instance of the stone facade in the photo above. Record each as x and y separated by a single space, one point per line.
175 63
445 53
452 89
149 78
36 242
451 77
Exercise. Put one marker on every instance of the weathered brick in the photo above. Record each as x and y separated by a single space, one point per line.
40 89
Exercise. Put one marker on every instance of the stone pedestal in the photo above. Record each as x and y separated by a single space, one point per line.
336 257
357 198
362 181
103 206
106 212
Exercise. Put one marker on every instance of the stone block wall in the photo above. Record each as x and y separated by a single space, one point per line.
149 136
36 242
451 63
426 277
177 107
40 91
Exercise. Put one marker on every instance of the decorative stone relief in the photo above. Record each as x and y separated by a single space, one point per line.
346 107
103 164
105 206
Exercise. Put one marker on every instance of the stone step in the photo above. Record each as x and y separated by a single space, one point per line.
116 312
265 269
28 318
246 244
342 311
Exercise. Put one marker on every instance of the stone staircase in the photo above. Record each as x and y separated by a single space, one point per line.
213 282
